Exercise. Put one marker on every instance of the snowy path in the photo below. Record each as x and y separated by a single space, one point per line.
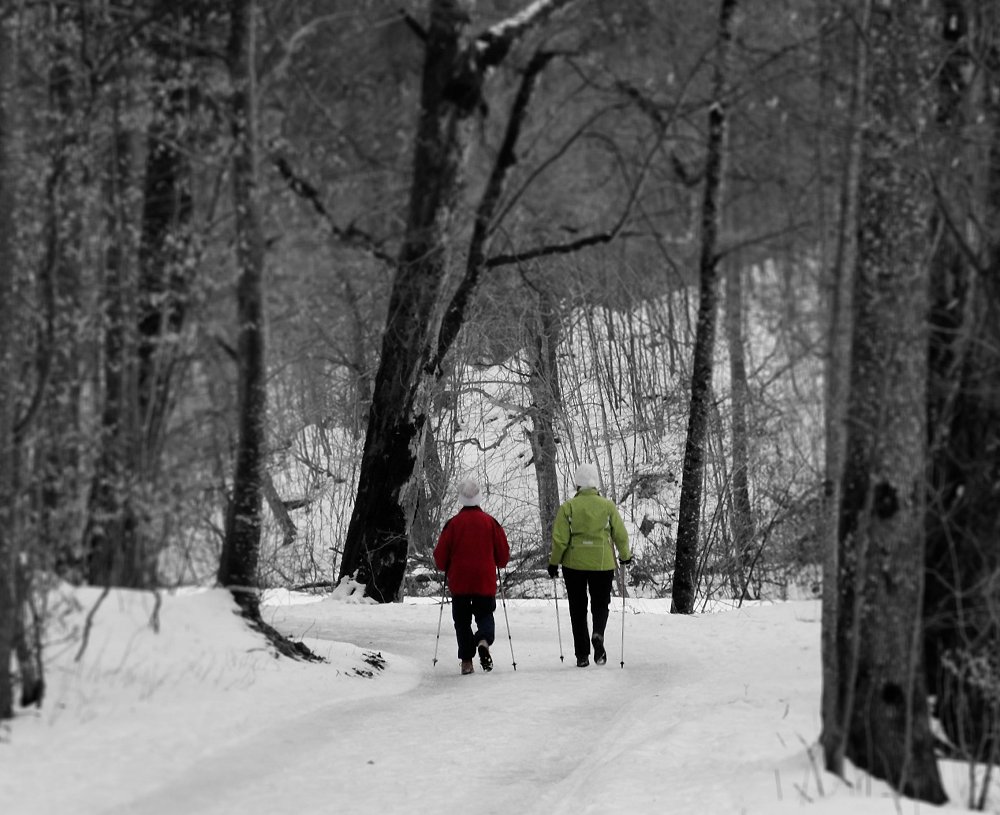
688 712
195 716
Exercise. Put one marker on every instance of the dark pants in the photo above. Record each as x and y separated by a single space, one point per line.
463 608
578 582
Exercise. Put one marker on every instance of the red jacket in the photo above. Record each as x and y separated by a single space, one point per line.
471 548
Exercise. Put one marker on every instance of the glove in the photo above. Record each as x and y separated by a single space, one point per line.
553 570
625 561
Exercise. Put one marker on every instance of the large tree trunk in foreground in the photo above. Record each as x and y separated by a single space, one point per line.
882 700
241 549
455 69
377 538
689 512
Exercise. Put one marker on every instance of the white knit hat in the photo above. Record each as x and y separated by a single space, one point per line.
468 492
586 476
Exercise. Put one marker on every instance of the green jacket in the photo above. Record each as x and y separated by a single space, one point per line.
584 530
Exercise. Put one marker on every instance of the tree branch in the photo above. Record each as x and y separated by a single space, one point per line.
559 248
494 43
506 158
589 240
350 235
414 25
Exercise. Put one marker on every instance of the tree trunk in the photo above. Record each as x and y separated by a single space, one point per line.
431 492
455 69
689 513
963 553
543 385
27 636
8 168
376 546
112 556
241 548
278 509
882 698
742 519
164 246
838 350
57 462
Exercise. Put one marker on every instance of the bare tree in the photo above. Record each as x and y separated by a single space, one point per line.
689 514
241 548
145 312
543 385
7 452
455 71
54 414
838 347
881 697
742 518
112 518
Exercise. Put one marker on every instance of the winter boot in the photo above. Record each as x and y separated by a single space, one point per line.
600 655
467 667
582 662
484 656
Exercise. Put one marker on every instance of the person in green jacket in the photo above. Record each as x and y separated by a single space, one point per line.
585 534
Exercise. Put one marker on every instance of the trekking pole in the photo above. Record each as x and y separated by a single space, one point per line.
503 597
621 578
555 588
444 586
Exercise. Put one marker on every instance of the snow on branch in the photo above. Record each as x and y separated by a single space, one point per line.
494 43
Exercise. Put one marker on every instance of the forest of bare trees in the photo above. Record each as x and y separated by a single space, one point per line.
274 275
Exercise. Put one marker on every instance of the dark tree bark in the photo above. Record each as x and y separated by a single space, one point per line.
963 552
837 372
27 636
455 70
57 461
111 526
164 246
241 548
7 453
19 623
882 699
689 512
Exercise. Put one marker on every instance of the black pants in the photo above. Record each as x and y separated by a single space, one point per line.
463 608
578 583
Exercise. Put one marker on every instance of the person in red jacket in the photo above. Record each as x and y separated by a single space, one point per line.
471 548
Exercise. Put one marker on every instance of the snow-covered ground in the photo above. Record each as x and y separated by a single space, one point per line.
176 707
